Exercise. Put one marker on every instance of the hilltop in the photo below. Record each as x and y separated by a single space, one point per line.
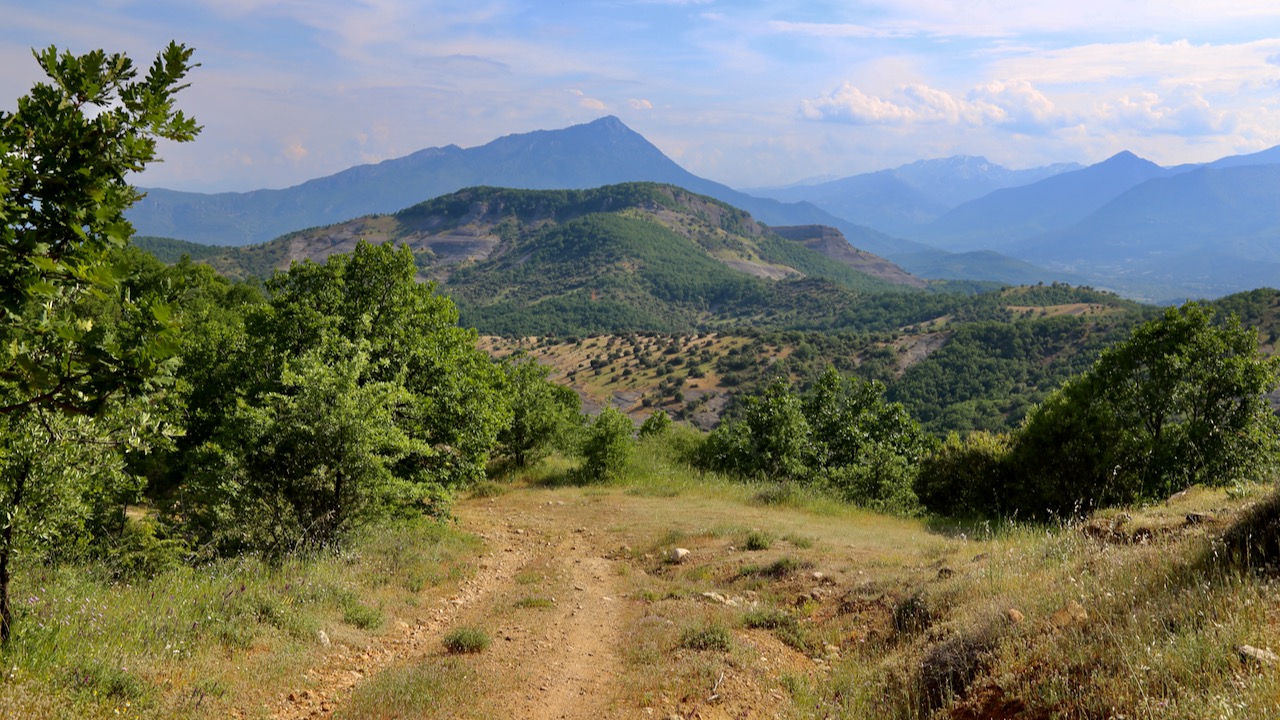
635 256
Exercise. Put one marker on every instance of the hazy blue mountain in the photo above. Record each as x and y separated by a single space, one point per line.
899 200
981 265
961 178
1007 216
1206 232
602 152
1232 209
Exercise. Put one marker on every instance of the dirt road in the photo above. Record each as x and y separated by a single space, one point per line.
546 590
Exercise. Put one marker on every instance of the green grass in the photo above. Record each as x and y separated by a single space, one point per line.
466 640
421 689
712 636
757 540
196 642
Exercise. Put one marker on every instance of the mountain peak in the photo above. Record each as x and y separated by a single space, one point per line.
1124 157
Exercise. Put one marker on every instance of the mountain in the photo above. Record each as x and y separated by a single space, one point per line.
1006 216
899 200
1206 232
618 257
598 153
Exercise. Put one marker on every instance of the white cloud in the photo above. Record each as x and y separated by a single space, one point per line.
1017 104
1021 106
640 104
592 104
850 105
1221 67
1184 111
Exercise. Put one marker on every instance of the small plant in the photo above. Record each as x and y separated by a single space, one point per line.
800 541
362 616
757 540
771 619
106 681
466 640
785 627
708 637
776 494
778 569
489 488
534 602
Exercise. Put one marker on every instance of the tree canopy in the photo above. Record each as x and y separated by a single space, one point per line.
77 346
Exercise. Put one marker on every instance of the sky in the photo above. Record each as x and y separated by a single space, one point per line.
745 92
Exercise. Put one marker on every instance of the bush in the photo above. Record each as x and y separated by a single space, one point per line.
879 481
362 616
657 424
963 477
466 640
608 447
707 637
757 540
1181 402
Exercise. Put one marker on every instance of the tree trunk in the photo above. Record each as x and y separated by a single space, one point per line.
6 554
6 613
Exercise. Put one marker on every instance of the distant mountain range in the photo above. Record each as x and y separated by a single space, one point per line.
598 153
1150 232
1127 224
603 152
899 200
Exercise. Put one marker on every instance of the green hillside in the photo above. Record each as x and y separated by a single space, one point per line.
636 256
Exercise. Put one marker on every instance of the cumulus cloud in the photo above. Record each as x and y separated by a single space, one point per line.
1016 104
848 104
1020 106
1184 111
640 104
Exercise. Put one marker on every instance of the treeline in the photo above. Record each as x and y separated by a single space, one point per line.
1180 402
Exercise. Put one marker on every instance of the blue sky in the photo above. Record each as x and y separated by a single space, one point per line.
747 93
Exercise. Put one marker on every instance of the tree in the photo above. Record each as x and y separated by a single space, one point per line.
1180 402
656 425
608 445
76 347
303 464
350 393
542 413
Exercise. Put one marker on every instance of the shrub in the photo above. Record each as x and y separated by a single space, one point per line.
757 540
608 447
362 616
657 424
1180 402
963 477
466 640
708 637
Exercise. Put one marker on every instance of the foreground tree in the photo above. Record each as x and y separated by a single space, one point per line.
76 346
1181 402
350 393
607 446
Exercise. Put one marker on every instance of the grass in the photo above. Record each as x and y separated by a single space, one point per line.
910 619
422 689
465 640
207 641
712 636
757 540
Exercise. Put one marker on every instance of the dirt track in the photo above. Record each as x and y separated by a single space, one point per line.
558 659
